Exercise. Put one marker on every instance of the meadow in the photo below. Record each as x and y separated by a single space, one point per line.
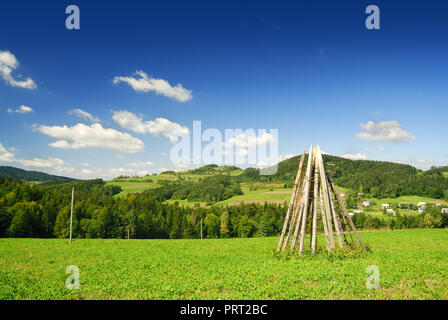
413 264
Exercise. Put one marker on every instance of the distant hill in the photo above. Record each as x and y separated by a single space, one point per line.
379 178
26 175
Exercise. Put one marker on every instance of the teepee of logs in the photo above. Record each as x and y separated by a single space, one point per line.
315 199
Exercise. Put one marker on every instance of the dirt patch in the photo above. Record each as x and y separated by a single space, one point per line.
236 203
278 192
137 186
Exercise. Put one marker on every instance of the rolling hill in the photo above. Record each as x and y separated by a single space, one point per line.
26 175
376 179
379 178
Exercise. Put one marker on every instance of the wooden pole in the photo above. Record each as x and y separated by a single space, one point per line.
292 200
326 200
297 225
71 214
316 197
313 191
347 226
296 212
335 220
324 220
306 200
201 228
338 220
344 212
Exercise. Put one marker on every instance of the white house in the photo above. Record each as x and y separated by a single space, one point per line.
350 213
421 205
385 205
391 211
444 210
358 211
366 203
342 194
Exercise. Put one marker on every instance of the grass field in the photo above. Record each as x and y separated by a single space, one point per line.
261 194
413 264
136 185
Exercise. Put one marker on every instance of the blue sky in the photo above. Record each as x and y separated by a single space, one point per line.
309 69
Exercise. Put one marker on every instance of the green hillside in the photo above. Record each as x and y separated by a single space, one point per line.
378 178
26 175
375 179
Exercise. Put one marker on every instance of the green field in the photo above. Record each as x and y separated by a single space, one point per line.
140 184
413 264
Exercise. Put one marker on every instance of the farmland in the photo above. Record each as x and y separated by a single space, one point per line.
413 265
258 192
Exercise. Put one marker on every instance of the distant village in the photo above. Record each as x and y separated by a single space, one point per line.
391 209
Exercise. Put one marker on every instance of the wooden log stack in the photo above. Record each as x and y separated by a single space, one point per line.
315 200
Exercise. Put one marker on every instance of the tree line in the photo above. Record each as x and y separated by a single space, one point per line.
43 210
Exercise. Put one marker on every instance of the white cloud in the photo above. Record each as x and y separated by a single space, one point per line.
158 126
144 83
262 164
143 164
5 155
357 156
244 140
178 167
284 157
49 164
83 114
86 171
120 171
42 163
379 149
8 63
83 136
390 131
106 174
21 109
420 163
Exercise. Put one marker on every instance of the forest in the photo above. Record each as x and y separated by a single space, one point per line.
43 210
379 179
209 189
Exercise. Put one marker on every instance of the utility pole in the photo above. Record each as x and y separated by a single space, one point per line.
71 214
201 228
